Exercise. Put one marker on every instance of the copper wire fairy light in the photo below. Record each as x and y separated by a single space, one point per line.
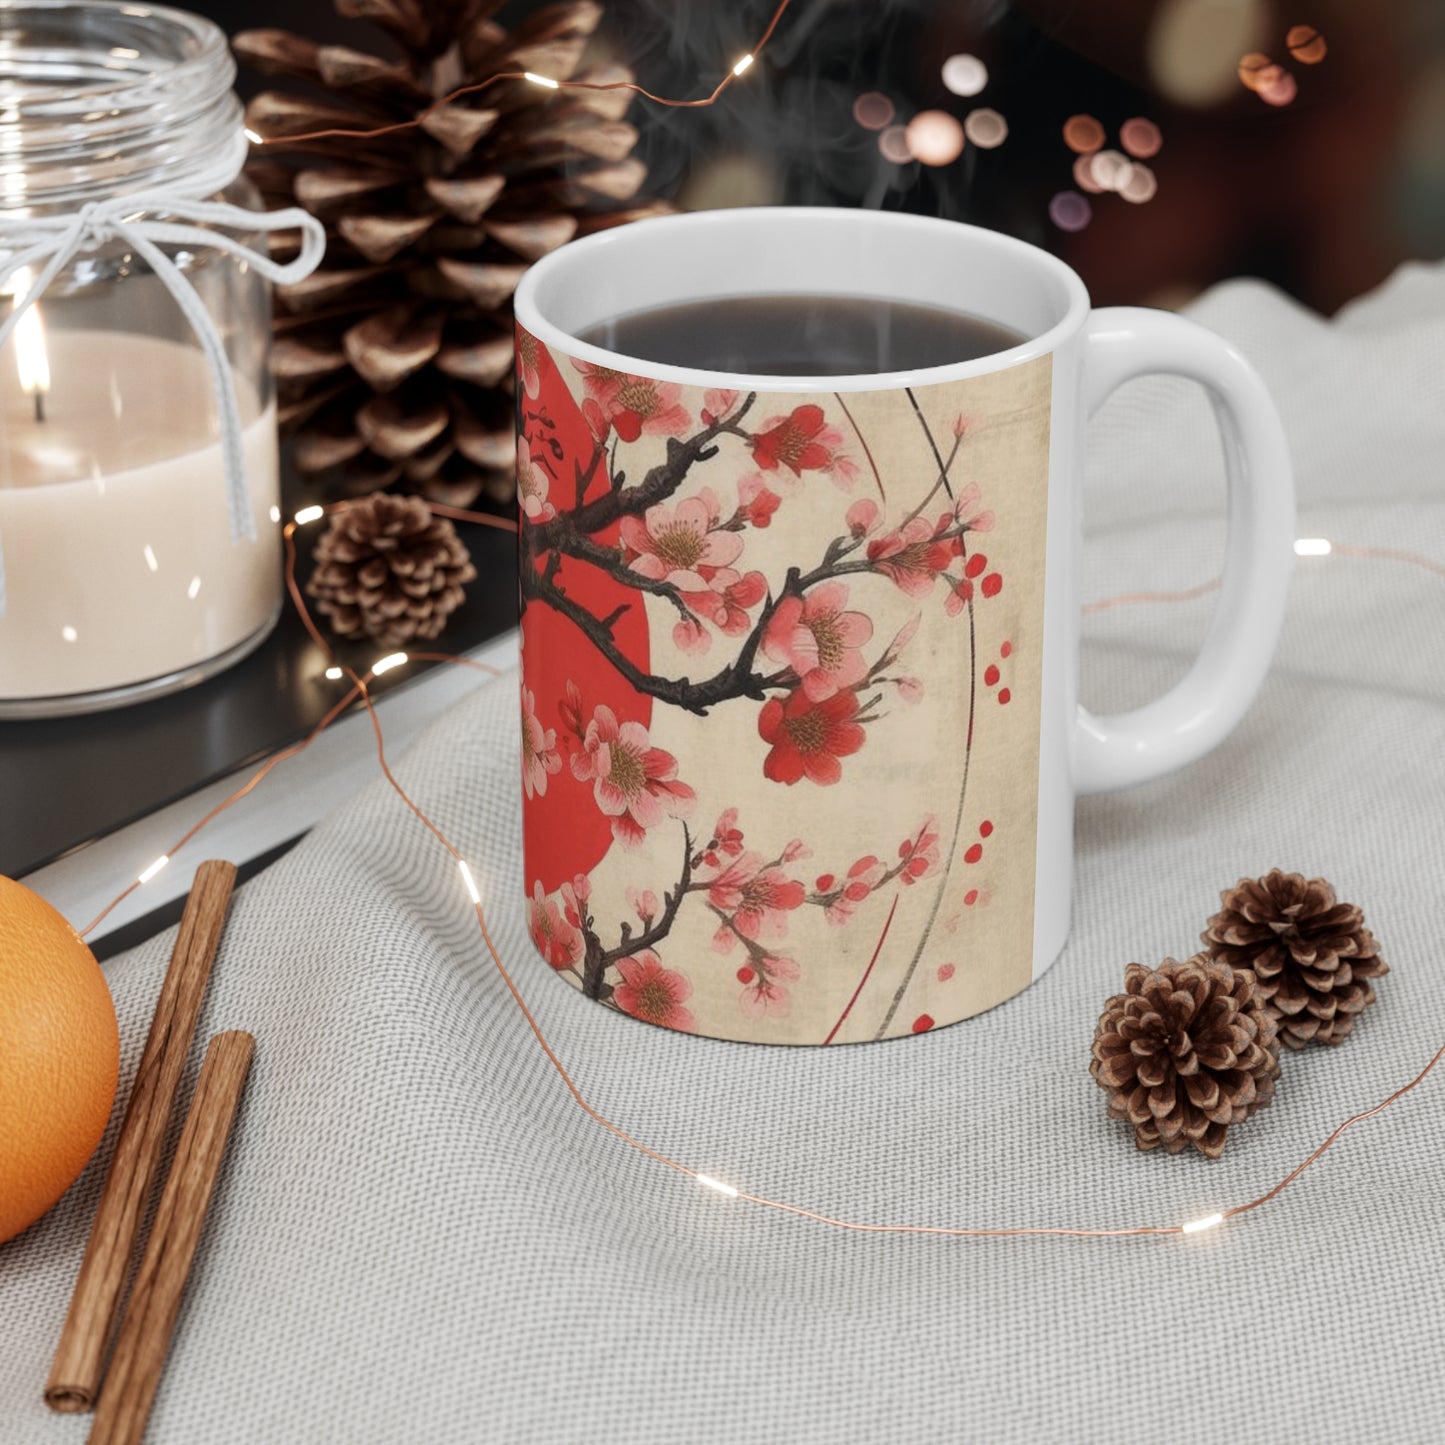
547 82
360 690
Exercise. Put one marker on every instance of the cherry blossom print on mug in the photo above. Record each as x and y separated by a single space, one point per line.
765 611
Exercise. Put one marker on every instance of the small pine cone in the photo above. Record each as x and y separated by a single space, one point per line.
1185 1051
389 570
1312 956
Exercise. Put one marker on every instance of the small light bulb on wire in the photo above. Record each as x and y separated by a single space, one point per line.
1197 1226
149 873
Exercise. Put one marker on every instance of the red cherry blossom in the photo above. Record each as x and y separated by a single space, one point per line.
689 635
539 749
655 994
803 441
807 738
757 898
532 486
756 500
922 1023
671 544
557 940
819 640
912 556
634 783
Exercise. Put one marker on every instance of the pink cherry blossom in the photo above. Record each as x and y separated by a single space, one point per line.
912 556
539 749
532 486
635 404
670 544
910 689
863 518
920 853
634 783
689 635
717 403
819 640
758 898
727 839
863 877
570 710
557 940
655 994
765 994
728 599
596 419
643 903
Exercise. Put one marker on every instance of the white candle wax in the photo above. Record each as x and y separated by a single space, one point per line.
114 521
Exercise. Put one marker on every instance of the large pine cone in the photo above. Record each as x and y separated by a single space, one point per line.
1185 1051
393 360
1313 957
388 570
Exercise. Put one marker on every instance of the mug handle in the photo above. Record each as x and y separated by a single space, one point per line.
1195 715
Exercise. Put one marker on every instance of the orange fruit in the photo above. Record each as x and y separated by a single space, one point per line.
59 1056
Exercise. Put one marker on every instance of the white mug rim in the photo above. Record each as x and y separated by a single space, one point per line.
592 249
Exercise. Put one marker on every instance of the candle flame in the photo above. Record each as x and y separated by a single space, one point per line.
30 355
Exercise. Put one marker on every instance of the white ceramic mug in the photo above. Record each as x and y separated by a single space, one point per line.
801 730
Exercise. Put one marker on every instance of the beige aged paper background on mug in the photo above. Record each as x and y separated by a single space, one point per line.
961 939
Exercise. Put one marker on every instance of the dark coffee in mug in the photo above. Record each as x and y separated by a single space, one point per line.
801 335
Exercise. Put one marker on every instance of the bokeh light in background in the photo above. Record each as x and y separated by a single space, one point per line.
893 142
964 74
873 111
1139 185
1141 138
1276 86
1306 44
1193 46
1084 134
1084 175
1109 169
1070 211
1252 66
985 128
934 137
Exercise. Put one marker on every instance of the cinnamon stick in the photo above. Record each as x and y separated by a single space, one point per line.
155 1298
79 1362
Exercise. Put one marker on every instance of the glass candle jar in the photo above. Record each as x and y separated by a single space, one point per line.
130 567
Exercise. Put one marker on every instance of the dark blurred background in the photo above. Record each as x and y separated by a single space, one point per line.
1320 170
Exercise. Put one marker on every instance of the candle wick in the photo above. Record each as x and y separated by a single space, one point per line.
39 404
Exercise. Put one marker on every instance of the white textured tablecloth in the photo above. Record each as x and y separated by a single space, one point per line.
419 1238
